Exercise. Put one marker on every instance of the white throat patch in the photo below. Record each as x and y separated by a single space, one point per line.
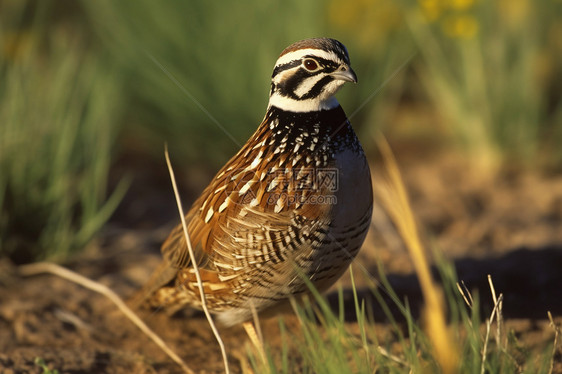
310 105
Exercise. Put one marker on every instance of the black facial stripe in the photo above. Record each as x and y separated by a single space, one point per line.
286 66
317 88
288 87
291 84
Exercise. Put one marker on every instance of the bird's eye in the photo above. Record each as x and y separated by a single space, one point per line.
310 64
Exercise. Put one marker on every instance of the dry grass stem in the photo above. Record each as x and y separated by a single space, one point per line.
394 197
383 352
467 296
496 313
45 267
555 343
499 318
195 266
465 293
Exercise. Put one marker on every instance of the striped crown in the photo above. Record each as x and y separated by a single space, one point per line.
307 75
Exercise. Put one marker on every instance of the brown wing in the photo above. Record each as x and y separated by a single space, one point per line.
248 209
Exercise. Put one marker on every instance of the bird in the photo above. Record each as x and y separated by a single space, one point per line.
290 209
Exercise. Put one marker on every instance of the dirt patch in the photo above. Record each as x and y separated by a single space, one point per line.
508 225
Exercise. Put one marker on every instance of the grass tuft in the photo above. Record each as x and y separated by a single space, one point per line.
59 110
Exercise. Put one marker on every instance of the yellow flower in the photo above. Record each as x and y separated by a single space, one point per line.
461 26
459 5
371 21
514 11
431 9
342 15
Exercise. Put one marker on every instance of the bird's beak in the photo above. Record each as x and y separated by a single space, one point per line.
345 73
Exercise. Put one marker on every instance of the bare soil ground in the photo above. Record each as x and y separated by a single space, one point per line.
508 225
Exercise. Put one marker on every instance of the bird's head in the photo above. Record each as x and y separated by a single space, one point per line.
308 73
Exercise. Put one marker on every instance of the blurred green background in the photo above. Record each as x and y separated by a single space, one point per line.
85 85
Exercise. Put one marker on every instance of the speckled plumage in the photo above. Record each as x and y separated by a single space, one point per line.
294 202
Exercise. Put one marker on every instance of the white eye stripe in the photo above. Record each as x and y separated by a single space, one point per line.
299 54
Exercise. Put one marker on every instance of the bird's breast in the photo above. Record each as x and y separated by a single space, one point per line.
353 195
